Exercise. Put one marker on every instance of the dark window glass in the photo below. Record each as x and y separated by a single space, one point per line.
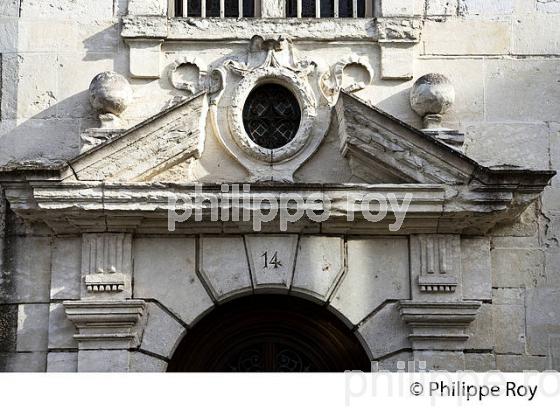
271 116
212 8
178 8
327 8
194 8
248 8
231 8
307 8
345 8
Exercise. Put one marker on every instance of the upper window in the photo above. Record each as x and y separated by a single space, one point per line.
325 8
252 8
213 8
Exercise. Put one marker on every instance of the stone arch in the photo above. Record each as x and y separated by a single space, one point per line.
358 281
269 333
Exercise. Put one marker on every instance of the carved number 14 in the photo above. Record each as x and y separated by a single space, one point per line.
274 261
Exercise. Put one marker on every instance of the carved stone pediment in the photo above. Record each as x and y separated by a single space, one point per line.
110 184
148 148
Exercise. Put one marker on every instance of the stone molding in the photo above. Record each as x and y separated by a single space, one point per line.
438 325
106 324
396 35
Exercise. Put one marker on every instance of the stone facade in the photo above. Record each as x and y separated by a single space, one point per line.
93 280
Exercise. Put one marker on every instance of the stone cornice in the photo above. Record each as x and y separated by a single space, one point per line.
95 206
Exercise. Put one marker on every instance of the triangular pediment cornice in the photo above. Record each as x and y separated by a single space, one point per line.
148 148
395 150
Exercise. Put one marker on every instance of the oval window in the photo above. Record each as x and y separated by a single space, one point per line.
271 116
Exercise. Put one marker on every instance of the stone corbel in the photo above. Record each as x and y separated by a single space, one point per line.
438 325
106 266
106 324
397 39
145 57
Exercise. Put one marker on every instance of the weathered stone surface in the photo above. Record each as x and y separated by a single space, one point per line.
224 266
543 319
23 362
32 334
482 143
8 34
484 7
140 362
385 332
319 264
466 37
26 271
548 6
534 79
66 267
508 312
39 36
480 362
377 271
397 62
438 360
62 362
476 267
148 7
536 35
8 327
76 10
9 8
516 267
397 8
397 362
481 331
441 7
61 330
103 361
520 363
271 258
162 332
171 280
41 140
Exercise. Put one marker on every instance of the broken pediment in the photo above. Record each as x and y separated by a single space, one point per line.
126 182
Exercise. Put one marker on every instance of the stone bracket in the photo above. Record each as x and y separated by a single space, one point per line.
436 267
145 58
107 265
438 325
106 324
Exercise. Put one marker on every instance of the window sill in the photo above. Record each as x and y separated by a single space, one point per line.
323 29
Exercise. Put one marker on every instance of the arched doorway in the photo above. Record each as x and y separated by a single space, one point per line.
269 333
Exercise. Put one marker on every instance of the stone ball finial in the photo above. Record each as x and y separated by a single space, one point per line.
431 96
109 94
